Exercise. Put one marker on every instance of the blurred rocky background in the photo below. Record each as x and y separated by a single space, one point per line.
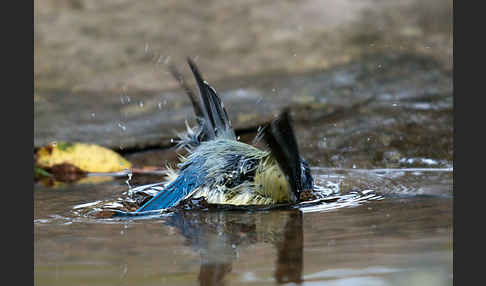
369 82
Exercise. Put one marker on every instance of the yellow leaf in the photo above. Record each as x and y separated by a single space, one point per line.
87 157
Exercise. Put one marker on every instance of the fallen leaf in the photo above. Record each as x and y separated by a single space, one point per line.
86 157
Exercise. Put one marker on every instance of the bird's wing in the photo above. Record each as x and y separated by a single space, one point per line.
209 110
216 122
194 101
179 189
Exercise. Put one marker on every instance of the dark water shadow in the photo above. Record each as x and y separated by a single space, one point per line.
219 236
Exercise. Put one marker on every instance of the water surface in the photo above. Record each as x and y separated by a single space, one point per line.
370 227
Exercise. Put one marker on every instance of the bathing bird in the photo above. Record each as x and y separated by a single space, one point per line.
221 169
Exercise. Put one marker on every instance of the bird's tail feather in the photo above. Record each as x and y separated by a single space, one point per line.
280 138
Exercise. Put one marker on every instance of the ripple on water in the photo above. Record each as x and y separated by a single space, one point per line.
340 188
334 189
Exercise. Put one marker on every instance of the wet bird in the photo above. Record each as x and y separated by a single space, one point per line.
223 170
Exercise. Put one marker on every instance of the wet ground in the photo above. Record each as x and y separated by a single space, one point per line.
387 106
369 85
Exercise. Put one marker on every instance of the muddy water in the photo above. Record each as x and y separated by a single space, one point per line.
372 227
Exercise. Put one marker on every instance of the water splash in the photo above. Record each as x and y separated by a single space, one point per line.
342 188
125 99
122 126
129 178
334 189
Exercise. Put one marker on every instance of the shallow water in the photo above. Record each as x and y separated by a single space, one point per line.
371 227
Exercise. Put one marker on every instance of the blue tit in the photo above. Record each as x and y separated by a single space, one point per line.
223 170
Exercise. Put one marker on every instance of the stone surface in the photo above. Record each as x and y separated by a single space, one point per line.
380 108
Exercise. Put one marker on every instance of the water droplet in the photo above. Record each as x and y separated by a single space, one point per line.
140 104
93 115
124 99
159 105
129 174
122 127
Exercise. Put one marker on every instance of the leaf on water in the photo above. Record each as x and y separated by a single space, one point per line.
72 161
85 157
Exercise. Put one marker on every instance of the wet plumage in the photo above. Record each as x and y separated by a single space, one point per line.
225 171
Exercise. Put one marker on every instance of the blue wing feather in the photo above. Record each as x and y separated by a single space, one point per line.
190 177
171 195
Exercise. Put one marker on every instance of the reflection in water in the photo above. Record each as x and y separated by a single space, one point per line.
289 250
219 236
380 227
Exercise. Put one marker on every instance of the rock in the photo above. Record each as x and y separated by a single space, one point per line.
367 106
